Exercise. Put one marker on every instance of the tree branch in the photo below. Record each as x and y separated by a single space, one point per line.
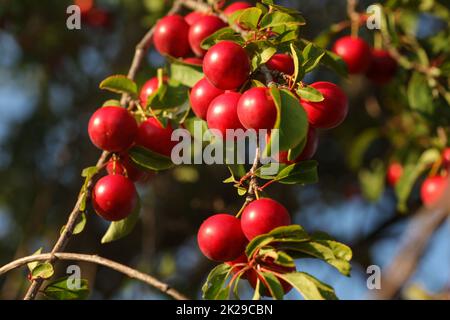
130 272
416 239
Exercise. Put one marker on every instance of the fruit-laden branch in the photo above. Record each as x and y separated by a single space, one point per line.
416 237
63 239
130 272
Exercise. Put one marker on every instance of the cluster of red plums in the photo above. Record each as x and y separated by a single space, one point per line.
377 64
223 237
93 15
432 188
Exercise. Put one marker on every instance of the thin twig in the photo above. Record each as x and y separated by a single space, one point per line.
130 272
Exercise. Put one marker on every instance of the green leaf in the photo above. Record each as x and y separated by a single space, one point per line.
419 94
304 172
291 121
59 290
309 93
32 265
293 231
311 57
149 160
111 103
411 172
212 289
220 35
372 180
298 70
169 95
119 229
281 8
42 270
237 170
257 243
297 150
79 227
88 173
247 18
119 84
309 287
273 285
335 63
360 145
262 56
279 18
186 74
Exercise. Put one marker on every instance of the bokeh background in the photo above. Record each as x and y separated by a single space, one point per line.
49 78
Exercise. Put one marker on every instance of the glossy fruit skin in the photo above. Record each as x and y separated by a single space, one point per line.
202 29
432 189
194 60
446 157
263 215
114 197
239 5
149 88
382 67
394 173
252 276
220 238
193 17
112 129
256 109
310 148
171 36
355 52
281 62
153 136
201 95
222 113
329 112
125 167
226 65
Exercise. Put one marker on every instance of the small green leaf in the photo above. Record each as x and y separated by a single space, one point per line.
79 227
304 172
311 57
372 180
291 122
273 285
59 290
335 63
260 57
293 231
247 18
309 287
149 160
220 35
32 265
88 173
169 95
119 229
420 97
186 74
298 70
279 18
119 84
212 289
111 103
257 243
309 93
241 191
42 270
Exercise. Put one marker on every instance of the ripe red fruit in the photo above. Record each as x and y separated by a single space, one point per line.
125 167
226 65
171 36
331 111
432 189
112 129
220 237
252 277
240 5
153 136
382 68
310 148
114 197
446 157
394 172
222 113
355 52
194 60
256 109
263 215
84 5
97 17
201 95
201 29
281 62
193 17
149 88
